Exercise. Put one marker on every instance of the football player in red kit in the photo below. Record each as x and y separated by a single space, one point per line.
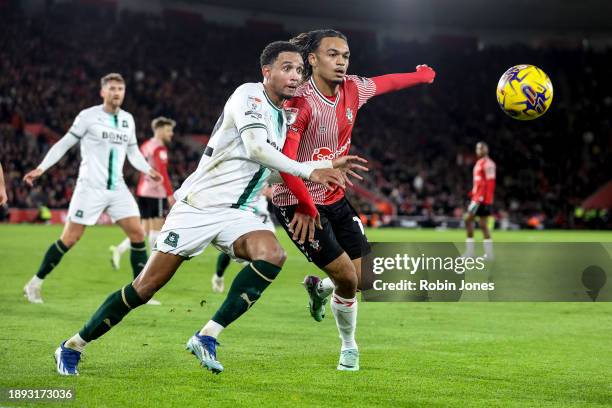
325 108
481 196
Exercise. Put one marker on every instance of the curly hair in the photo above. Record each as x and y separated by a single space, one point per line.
310 41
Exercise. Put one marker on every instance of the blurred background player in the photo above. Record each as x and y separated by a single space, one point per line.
107 135
481 196
3 196
261 210
154 197
326 106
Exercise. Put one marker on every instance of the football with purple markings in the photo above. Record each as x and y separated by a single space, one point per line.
524 92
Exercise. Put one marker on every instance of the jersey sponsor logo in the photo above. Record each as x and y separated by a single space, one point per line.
252 114
172 239
273 144
349 115
325 153
113 137
292 114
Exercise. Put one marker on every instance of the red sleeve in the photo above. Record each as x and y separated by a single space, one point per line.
489 191
395 82
294 133
489 170
160 158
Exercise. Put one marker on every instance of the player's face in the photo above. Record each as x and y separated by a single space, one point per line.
285 74
481 150
113 93
331 60
166 133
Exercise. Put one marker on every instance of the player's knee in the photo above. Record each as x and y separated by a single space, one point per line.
346 278
275 255
137 235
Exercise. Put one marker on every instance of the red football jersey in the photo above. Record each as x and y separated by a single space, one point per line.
322 127
157 156
484 181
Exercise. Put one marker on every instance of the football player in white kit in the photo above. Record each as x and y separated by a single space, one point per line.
215 206
107 134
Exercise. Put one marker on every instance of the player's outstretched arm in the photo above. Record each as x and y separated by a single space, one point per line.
138 161
55 153
260 151
394 82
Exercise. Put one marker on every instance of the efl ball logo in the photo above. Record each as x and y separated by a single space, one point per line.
524 92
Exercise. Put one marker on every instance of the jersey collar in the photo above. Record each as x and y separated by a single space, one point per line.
269 101
322 97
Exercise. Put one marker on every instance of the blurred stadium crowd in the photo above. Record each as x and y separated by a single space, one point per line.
419 141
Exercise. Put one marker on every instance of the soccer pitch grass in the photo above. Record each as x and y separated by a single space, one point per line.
412 354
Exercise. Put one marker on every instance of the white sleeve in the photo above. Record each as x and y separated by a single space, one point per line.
246 107
275 177
258 150
58 150
134 154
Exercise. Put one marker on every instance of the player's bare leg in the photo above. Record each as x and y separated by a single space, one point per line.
266 258
469 241
158 271
152 230
71 234
487 241
135 233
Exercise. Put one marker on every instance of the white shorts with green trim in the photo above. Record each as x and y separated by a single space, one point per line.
189 230
88 203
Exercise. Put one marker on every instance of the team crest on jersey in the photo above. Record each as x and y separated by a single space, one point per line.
254 106
254 103
291 114
349 115
322 129
172 239
124 123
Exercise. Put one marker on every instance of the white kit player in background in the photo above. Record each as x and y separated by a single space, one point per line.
154 197
107 135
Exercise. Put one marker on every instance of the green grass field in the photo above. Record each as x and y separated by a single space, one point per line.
412 354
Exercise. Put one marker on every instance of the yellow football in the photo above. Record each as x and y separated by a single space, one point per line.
524 92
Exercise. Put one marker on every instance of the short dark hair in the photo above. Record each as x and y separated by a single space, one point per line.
113 76
310 41
272 51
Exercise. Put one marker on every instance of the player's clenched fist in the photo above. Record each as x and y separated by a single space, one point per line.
427 73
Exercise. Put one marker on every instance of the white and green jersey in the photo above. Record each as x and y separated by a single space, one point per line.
226 176
105 139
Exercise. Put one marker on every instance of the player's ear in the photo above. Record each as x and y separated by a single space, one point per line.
312 59
265 71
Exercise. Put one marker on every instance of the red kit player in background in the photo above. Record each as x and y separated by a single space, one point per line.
325 109
154 197
481 196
